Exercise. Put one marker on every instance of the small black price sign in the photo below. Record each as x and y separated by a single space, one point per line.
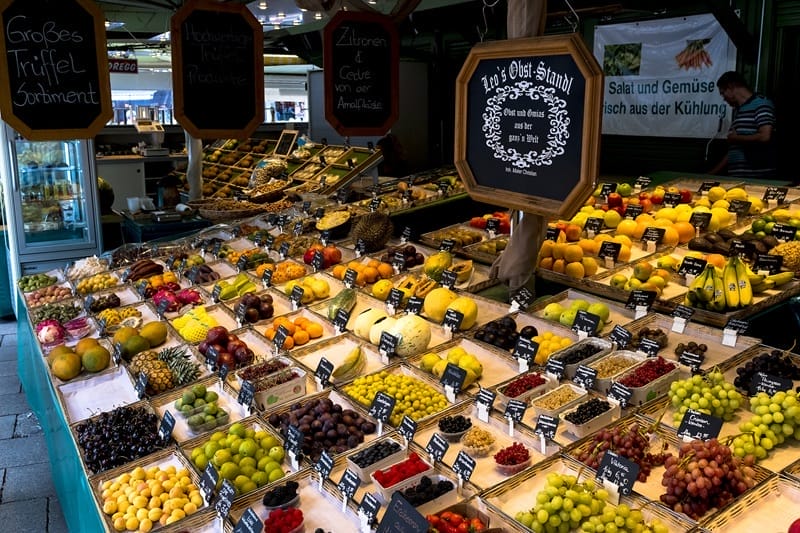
593 224
692 360
447 245
225 499
166 426
525 350
523 298
280 337
707 185
341 319
633 210
296 296
556 367
141 287
247 392
162 307
306 207
395 298
182 265
784 232
649 346
324 465
369 507
515 410
269 241
609 249
453 376
607 188
740 207
738 325
266 277
653 234
642 182
87 303
493 224
775 193
640 298
586 322
317 260
324 371
240 311
683 311
241 264
101 329
448 279
585 377
272 219
699 426
282 220
341 196
399 261
223 372
192 274
382 406
621 393
283 251
486 398
769 263
414 305
126 274
737 247
141 385
443 187
464 465
453 320
258 238
211 357
250 522
551 233
374 204
406 234
216 292
692 266
401 516
671 199
208 481
763 382
294 439
546 426
700 220
407 195
618 470
408 427
319 213
620 336
298 228
350 276
216 248
361 247
437 447
387 345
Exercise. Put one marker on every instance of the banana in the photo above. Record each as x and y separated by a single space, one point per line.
745 287
781 278
705 285
730 284
755 279
765 285
718 302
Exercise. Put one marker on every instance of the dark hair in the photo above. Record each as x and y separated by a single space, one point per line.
731 79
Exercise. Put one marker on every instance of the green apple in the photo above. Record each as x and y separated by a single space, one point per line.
601 310
553 311
579 305
618 281
624 189
568 317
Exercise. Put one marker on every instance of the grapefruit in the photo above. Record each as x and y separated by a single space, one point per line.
575 270
96 358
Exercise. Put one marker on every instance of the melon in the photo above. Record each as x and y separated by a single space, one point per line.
413 333
379 327
436 303
364 321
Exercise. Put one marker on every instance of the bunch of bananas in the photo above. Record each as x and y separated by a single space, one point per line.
707 291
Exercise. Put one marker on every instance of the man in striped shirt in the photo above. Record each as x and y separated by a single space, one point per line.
751 138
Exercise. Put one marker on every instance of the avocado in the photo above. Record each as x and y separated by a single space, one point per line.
700 244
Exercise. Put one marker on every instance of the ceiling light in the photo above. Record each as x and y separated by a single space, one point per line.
281 14
372 2
107 24
276 26
318 16
296 22
262 5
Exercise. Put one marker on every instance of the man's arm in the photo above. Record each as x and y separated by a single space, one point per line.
763 135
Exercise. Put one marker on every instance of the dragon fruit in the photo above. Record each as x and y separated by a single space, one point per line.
164 295
188 296
50 332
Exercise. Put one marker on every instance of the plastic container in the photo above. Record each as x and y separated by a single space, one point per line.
445 500
592 425
510 470
478 451
603 383
654 389
386 492
548 385
209 426
268 395
540 409
365 474
291 503
603 347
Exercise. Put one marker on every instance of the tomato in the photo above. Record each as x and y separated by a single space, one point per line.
445 516
476 525
433 520
456 519
463 527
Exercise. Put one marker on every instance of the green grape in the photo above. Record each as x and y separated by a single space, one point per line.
709 394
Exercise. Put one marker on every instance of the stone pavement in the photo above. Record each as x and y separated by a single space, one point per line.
28 501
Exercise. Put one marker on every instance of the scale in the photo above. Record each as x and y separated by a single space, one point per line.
155 135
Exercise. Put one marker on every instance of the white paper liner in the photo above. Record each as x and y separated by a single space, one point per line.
88 397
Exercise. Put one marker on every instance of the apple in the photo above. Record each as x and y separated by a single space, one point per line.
644 195
567 318
673 189
599 309
226 359
332 255
614 199
276 453
646 204
686 196
795 527
202 347
235 345
217 335
477 222
624 189
553 311
657 197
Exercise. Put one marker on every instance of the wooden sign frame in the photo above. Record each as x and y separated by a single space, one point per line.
177 68
327 38
535 47
103 89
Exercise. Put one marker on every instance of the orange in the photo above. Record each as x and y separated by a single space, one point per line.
574 270
546 263
601 237
301 322
385 270
573 253
338 271
718 260
671 236
314 330
269 333
589 246
623 239
361 279
371 274
640 229
547 249
373 263
300 337
644 217
355 265
288 344
573 232
589 266
685 231
286 323
626 227
559 265
558 250
624 254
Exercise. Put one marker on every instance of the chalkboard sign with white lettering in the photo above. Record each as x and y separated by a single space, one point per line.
218 66
54 69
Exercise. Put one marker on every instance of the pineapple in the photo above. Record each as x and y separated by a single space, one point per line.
159 375
183 369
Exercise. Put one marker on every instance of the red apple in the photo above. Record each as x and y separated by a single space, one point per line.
604 207
477 222
235 345
644 195
686 196
202 347
795 527
227 359
331 255
614 199
657 197
620 209
243 356
647 205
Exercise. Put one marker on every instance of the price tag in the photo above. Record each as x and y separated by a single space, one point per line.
463 466
452 320
692 266
414 305
784 232
700 220
307 207
642 182
619 471
239 312
640 301
521 300
322 161
319 213
493 224
361 247
768 263
586 323
296 296
546 426
437 447
607 188
707 185
408 427
282 220
216 248
452 380
241 264
484 401
125 275
208 481
283 251
620 336
699 426
620 393
585 377
162 308
87 303
387 346
401 517
211 357
216 292
671 199
247 393
406 235
776 194
269 241
739 207
680 316
250 522
324 466
258 238
101 329
652 237
525 353
374 204
551 233
280 337
141 287
763 382
382 407
294 445
555 367
443 187
182 265
448 279
447 245
368 511
223 372
166 426
398 262
317 260
341 319
341 196
732 329
649 347
609 252
692 360
514 412
593 226
266 278
394 300
323 373
350 276
141 385
272 219
225 499
633 210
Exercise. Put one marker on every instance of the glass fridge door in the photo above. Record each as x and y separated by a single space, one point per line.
52 199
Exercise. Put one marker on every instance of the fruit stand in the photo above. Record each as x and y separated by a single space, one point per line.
275 371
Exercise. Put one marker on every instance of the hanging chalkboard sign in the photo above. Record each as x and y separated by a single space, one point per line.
528 115
54 69
217 69
361 61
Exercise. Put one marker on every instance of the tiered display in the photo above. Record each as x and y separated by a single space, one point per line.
307 370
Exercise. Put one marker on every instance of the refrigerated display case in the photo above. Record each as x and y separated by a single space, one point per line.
50 202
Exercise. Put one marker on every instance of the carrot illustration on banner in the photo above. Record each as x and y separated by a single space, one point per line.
694 55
